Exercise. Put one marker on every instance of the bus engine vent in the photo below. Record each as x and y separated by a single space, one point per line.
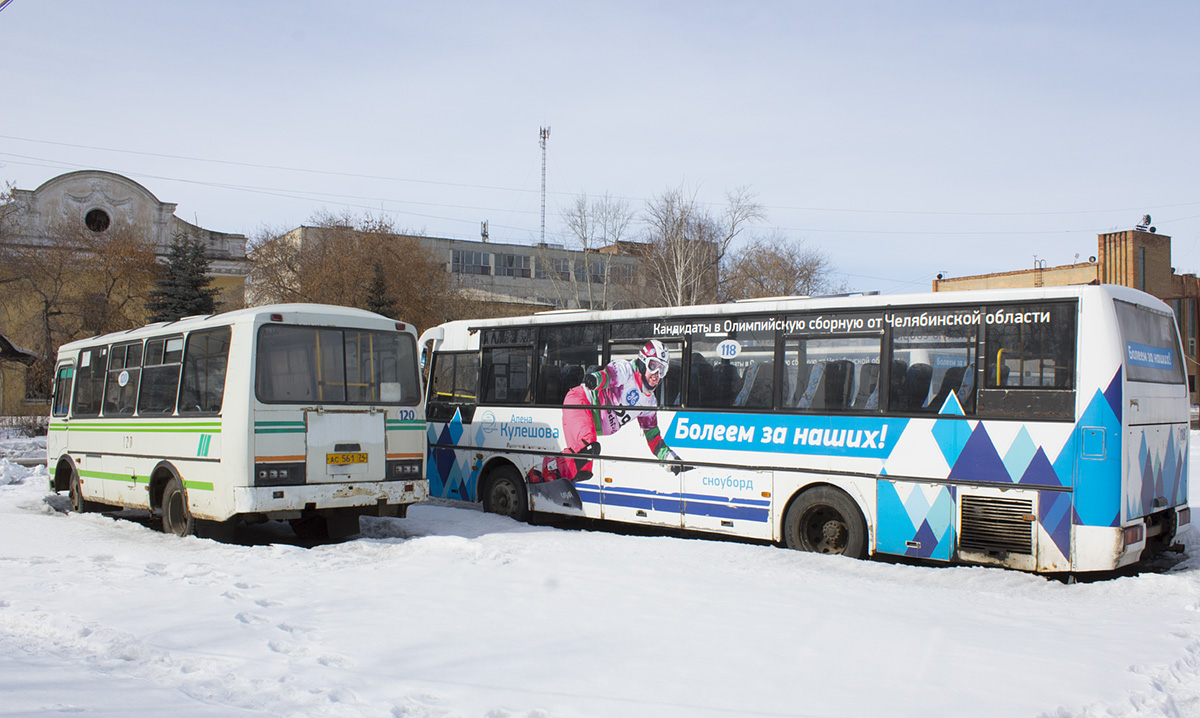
994 525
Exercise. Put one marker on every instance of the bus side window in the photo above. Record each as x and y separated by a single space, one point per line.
929 364
832 374
89 381
452 380
506 375
1031 355
466 377
160 375
124 375
1029 362
734 370
564 355
204 365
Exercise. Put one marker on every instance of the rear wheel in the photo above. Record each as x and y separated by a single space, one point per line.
505 494
176 518
825 520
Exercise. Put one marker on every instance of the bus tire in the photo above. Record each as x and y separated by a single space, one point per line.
504 494
176 517
79 504
824 519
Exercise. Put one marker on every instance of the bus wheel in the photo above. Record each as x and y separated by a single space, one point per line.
825 520
79 504
176 519
505 494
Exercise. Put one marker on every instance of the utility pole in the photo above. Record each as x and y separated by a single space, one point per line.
543 135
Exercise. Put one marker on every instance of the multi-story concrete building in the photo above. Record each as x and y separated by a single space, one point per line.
1138 258
519 278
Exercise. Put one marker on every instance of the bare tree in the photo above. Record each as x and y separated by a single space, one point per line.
71 282
777 266
597 227
687 244
333 264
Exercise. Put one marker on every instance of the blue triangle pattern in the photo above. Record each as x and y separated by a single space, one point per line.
928 541
951 406
951 435
1055 514
1113 395
1097 481
1040 472
979 460
1019 454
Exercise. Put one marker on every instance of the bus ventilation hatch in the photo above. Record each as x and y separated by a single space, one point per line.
995 525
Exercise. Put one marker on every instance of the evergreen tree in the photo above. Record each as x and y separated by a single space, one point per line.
183 290
378 298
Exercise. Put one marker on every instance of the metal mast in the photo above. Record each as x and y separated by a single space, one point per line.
543 135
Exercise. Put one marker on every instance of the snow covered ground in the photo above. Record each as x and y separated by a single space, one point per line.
452 612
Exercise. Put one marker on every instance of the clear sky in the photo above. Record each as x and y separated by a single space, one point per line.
904 139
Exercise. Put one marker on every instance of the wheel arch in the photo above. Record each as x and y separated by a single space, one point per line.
160 475
847 488
489 469
62 472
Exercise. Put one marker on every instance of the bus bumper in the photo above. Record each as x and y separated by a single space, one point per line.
284 502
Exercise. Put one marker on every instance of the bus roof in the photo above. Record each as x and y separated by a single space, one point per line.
319 314
839 302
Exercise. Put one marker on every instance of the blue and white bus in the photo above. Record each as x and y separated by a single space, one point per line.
299 412
1039 429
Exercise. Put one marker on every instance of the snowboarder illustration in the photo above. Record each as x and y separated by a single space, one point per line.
609 398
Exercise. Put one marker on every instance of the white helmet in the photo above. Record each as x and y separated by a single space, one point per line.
655 358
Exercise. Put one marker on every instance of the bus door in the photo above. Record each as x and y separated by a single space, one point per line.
56 438
344 445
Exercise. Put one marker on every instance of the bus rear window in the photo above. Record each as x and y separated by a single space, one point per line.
301 365
1150 344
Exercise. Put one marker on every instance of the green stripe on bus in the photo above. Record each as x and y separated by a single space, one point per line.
141 428
126 478
87 474
279 427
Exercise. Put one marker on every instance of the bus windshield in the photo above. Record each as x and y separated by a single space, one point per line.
325 365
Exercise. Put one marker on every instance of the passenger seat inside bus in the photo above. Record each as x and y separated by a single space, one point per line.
551 391
867 396
810 386
951 381
727 382
700 388
839 383
897 381
917 386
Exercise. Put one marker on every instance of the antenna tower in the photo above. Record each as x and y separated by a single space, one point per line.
543 135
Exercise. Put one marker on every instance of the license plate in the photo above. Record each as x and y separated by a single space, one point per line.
346 458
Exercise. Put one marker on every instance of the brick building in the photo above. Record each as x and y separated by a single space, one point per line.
1138 258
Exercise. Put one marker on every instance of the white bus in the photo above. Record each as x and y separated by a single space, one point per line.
1042 429
302 412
